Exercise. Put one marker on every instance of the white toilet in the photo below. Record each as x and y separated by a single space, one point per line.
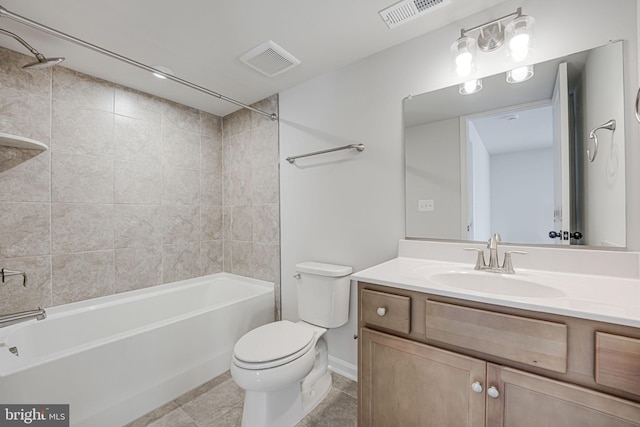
283 366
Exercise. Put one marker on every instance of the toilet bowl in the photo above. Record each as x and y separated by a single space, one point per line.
283 366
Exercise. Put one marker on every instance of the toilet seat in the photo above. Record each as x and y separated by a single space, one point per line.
272 345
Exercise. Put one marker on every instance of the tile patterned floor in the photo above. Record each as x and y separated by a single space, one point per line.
218 403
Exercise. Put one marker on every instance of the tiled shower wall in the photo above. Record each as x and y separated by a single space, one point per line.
134 191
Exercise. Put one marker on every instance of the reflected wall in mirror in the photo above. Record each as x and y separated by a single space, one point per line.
512 158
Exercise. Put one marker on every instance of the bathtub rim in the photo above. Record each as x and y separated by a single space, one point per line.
66 310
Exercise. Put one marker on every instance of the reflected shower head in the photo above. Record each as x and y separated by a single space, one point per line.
42 61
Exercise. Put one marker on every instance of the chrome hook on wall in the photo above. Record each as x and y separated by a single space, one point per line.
610 125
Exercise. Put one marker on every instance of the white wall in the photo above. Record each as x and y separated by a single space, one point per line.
481 185
347 207
522 200
604 177
432 162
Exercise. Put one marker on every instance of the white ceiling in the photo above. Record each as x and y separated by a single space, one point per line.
201 40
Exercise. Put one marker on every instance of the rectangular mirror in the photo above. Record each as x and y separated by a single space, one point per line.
540 161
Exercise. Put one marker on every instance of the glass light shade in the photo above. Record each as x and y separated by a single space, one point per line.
520 74
470 86
463 52
519 33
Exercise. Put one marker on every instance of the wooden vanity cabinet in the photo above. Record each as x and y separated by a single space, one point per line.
406 378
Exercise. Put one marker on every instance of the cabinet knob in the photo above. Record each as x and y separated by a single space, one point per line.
493 392
381 311
476 387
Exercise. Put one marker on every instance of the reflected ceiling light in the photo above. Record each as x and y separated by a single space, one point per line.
520 74
161 71
470 86
491 36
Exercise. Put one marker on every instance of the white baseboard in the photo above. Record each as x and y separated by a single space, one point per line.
343 368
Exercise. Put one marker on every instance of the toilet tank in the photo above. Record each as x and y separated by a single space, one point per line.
323 293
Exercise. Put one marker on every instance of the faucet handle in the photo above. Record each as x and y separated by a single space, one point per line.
480 262
507 264
4 273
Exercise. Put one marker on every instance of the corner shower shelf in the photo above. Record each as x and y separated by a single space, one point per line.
7 140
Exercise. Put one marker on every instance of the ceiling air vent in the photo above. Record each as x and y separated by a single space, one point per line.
269 59
406 10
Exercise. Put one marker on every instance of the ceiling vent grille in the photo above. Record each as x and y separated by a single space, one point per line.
406 10
269 59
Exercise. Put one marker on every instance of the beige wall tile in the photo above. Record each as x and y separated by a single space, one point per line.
138 105
180 117
137 182
137 140
81 179
211 223
242 258
25 229
266 223
180 224
264 153
24 114
138 268
180 262
212 257
237 188
266 185
210 125
242 223
268 105
211 188
78 227
82 90
81 130
81 276
266 259
36 82
25 175
237 152
180 186
211 154
235 123
14 297
180 148
137 225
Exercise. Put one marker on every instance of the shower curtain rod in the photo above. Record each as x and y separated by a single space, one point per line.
4 13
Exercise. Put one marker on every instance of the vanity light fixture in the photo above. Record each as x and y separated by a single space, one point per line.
520 74
492 35
470 86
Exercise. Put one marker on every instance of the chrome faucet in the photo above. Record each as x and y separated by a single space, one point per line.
23 316
494 265
4 273
492 245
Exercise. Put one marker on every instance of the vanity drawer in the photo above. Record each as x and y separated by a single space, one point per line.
533 342
385 310
618 362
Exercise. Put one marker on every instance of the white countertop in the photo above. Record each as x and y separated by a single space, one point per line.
596 297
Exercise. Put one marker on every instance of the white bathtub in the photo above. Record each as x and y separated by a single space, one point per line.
115 358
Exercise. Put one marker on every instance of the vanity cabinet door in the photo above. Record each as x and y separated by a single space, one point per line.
527 400
405 383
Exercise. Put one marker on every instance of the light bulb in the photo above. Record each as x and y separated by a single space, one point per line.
519 46
463 54
470 86
464 64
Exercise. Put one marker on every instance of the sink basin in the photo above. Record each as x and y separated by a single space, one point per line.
496 284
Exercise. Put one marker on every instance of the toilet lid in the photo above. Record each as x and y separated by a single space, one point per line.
272 341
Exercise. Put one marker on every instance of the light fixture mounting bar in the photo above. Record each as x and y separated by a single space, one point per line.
4 13
517 13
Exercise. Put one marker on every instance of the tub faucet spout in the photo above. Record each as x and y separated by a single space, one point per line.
23 316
